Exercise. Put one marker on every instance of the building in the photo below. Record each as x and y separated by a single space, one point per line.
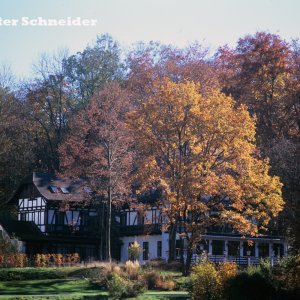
145 228
56 216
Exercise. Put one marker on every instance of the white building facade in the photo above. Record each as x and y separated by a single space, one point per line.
145 228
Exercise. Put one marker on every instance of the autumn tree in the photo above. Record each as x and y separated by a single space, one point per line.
200 150
147 63
98 147
262 71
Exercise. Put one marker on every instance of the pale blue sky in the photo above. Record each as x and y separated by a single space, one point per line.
211 22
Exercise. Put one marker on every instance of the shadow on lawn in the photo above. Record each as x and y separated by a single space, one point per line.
96 297
58 286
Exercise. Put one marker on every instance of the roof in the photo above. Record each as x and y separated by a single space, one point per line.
57 188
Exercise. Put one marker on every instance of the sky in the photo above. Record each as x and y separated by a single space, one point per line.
211 22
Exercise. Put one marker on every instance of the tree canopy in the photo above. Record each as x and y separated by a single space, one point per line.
218 127
200 151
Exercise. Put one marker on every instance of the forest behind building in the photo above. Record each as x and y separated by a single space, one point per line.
76 115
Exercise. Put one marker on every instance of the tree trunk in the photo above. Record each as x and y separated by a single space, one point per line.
108 246
102 230
172 242
109 196
182 256
186 265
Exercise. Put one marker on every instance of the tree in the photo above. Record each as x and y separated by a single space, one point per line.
98 147
201 152
263 73
16 143
91 69
154 61
260 72
48 106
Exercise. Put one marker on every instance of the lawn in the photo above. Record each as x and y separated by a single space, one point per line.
67 289
48 286
67 284
57 297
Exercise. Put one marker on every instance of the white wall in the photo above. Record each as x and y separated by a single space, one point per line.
152 239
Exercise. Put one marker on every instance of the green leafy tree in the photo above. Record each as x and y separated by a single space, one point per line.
91 69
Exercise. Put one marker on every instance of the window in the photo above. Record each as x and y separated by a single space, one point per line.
84 218
65 190
53 189
87 189
130 256
140 218
59 218
145 250
123 219
159 248
22 216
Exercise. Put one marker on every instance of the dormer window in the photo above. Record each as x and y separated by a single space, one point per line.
87 189
65 190
53 189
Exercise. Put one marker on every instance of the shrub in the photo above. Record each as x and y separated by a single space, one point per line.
227 270
161 264
184 284
132 269
251 285
46 260
287 274
58 259
72 258
120 288
155 280
42 260
206 282
88 272
17 260
20 260
30 274
134 251
166 284
151 278
116 287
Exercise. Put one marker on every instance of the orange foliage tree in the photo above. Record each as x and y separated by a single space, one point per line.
201 152
262 71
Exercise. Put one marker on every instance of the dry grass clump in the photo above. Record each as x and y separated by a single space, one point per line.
132 269
155 280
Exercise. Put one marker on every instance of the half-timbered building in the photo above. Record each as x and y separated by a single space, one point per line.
58 215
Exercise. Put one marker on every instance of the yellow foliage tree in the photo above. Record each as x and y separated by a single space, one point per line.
200 150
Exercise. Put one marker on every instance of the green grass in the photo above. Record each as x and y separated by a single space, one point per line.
57 297
150 295
166 295
48 286
67 283
35 273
